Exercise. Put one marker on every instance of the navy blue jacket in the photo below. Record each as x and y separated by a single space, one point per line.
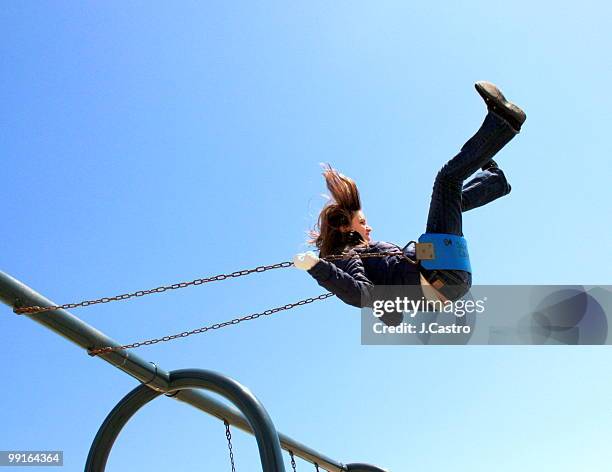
352 280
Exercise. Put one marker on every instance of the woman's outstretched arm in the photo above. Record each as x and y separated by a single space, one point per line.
346 279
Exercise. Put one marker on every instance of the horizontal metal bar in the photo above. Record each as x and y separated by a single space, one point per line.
16 294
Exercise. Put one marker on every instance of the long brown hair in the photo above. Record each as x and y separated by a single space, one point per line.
331 234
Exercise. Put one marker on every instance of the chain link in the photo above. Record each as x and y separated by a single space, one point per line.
30 310
228 435
184 334
316 467
293 466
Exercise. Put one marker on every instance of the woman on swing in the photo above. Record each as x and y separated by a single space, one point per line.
343 229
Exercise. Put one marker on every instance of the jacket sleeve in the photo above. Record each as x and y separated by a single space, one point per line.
347 280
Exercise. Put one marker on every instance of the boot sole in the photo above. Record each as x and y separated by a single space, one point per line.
493 96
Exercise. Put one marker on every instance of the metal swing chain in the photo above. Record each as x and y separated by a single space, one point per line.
228 435
140 293
293 466
30 310
184 334
316 467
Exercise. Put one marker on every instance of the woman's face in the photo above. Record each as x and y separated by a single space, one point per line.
359 224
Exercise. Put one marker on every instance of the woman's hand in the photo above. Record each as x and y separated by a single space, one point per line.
305 260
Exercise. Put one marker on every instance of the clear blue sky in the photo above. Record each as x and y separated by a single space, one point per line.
145 144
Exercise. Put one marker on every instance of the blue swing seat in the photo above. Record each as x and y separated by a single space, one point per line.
447 251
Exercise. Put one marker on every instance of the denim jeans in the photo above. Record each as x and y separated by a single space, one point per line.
451 196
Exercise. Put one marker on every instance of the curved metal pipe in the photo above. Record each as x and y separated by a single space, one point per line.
361 467
257 417
222 411
114 423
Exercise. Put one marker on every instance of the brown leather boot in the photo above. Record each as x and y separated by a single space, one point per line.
497 103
